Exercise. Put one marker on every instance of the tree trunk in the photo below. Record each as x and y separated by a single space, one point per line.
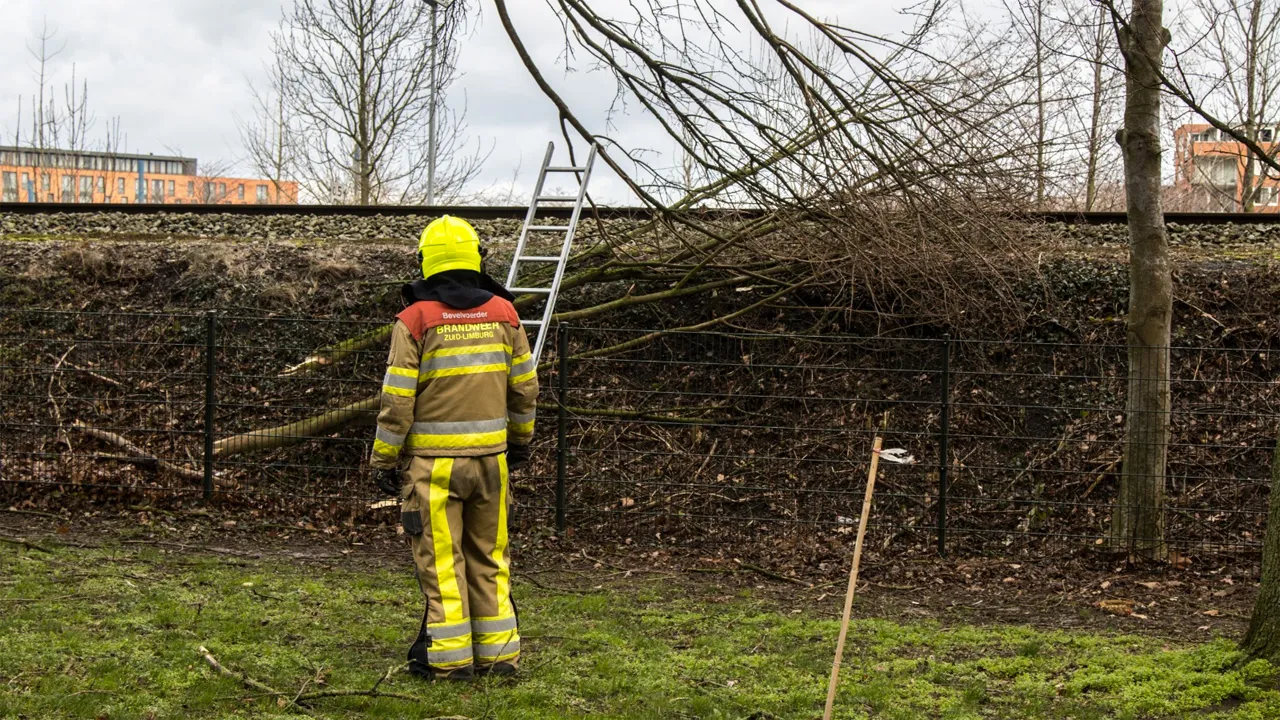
1248 187
1095 118
1263 638
1138 518
1042 130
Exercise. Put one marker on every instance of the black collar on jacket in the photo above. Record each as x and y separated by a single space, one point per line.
461 289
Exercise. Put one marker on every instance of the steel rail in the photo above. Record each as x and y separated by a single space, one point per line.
518 212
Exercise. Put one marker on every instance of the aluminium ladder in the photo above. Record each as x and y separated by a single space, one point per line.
568 230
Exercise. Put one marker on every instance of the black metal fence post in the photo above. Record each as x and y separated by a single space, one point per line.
562 449
210 374
944 433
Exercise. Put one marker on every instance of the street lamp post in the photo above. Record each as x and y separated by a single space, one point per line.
436 5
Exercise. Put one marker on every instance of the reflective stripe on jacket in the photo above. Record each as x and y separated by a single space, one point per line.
459 383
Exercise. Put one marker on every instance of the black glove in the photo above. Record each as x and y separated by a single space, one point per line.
389 481
517 455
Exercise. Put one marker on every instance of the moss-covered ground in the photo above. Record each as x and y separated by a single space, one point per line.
115 633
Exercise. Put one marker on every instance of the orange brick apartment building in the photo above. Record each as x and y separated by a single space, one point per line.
29 175
1212 163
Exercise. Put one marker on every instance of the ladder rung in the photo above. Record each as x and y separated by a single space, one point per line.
530 322
529 291
564 168
549 228
557 198
539 258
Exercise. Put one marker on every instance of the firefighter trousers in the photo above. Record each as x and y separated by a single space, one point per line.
455 513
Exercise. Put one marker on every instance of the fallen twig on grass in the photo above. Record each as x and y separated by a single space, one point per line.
248 681
264 596
25 543
534 582
300 699
42 599
320 694
197 548
387 675
772 574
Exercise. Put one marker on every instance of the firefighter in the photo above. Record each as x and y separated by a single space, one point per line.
456 413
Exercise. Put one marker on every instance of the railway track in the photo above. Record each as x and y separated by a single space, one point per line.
517 212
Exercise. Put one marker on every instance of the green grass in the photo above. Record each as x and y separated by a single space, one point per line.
93 633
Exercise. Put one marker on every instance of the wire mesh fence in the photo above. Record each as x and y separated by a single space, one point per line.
695 437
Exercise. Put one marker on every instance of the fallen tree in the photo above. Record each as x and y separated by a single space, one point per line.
885 160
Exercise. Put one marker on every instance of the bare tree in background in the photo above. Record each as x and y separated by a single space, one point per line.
1241 51
112 145
271 141
355 80
1101 58
211 182
42 53
1138 517
78 116
1032 24
1069 96
67 125
45 122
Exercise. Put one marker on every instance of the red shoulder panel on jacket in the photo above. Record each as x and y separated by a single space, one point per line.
426 314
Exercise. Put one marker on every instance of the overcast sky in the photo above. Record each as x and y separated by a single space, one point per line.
177 74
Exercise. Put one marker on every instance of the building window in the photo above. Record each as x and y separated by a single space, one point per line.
120 187
262 193
157 191
44 182
1266 134
240 193
222 190
171 190
191 188
102 186
10 187
68 188
86 189
1215 170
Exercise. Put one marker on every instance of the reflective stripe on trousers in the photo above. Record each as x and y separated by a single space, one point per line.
451 639
497 638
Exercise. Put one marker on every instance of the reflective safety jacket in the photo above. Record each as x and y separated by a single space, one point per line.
459 383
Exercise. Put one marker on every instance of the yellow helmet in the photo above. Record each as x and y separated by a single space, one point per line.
449 243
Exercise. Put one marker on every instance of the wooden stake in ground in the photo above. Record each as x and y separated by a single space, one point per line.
853 577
